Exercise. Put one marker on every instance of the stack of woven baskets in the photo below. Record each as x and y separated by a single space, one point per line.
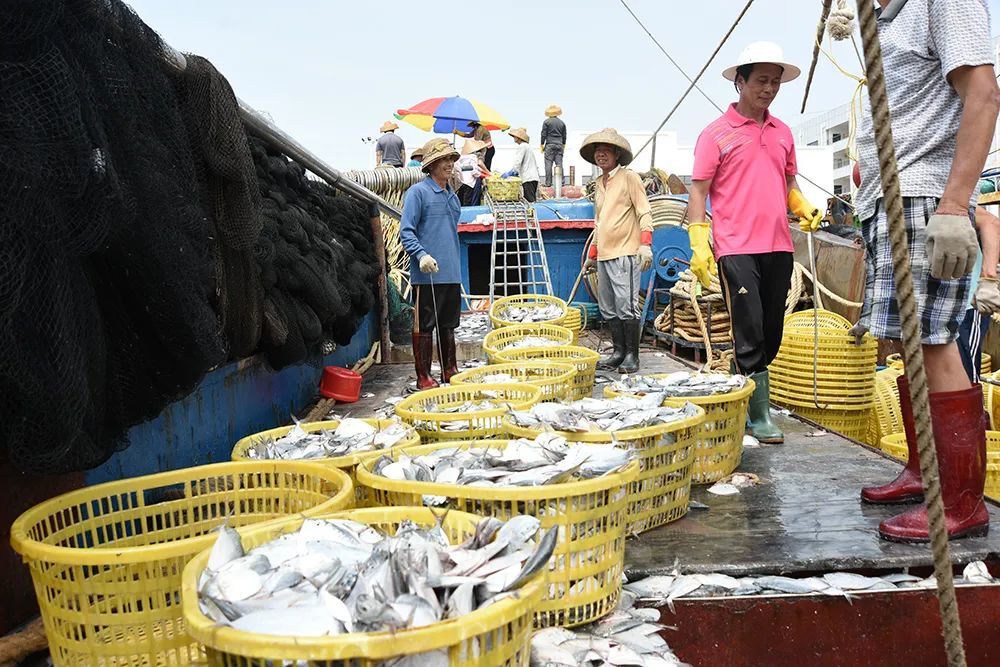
838 391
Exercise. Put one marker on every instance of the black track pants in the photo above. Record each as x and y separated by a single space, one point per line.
755 288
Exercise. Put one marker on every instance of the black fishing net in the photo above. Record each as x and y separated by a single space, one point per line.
142 242
105 311
316 257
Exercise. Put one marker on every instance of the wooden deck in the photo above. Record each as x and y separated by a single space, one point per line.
806 516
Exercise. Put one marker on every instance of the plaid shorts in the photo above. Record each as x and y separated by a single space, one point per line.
941 304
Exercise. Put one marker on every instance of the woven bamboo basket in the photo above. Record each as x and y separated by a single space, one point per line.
582 358
500 339
106 560
719 446
553 378
426 411
666 454
499 634
585 573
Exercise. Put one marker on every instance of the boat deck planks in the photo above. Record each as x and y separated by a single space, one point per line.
805 516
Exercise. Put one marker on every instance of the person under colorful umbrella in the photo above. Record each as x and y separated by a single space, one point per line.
429 234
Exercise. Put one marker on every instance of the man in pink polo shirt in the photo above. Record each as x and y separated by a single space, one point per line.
745 161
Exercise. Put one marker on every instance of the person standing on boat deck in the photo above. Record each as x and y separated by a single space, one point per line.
429 234
621 250
553 140
943 101
416 158
389 148
524 164
469 170
745 160
480 133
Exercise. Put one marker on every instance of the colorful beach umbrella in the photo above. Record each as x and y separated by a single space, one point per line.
448 115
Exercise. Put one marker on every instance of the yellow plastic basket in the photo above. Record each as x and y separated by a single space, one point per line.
985 364
504 189
895 446
583 358
498 339
851 423
660 493
803 320
345 463
886 418
585 573
718 447
106 560
553 378
422 410
499 634
525 301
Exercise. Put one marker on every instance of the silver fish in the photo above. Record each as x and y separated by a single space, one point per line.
680 384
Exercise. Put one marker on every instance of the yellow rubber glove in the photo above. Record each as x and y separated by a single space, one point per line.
809 216
702 259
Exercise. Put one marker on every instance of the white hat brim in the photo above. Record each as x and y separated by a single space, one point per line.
790 72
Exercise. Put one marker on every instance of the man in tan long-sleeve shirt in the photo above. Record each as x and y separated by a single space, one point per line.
622 244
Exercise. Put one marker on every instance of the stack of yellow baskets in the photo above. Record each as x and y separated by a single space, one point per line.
584 580
665 452
575 321
844 375
886 418
895 446
718 447
346 463
106 560
525 301
503 189
499 634
554 379
499 339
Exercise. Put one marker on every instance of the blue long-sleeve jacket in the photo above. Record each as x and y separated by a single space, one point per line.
430 226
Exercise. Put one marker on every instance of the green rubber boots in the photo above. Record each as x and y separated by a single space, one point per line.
759 422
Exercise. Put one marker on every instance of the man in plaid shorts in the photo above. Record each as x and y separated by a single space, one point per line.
943 100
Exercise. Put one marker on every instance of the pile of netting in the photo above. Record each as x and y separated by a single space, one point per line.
136 249
317 260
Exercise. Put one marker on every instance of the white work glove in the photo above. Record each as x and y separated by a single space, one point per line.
428 264
952 246
645 258
590 265
987 299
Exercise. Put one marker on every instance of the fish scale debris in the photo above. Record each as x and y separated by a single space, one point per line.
670 587
351 436
602 414
626 636
339 576
542 313
548 459
680 384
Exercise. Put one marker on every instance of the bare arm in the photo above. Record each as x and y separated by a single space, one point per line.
980 104
791 183
378 158
697 211
989 239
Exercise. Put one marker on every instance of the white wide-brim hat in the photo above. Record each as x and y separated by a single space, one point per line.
764 52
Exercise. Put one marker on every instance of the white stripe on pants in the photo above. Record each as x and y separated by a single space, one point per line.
618 288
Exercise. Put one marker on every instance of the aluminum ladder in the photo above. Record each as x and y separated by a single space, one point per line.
517 258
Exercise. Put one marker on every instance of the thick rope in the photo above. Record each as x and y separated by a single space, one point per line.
912 351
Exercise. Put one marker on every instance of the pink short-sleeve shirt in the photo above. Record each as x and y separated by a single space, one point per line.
748 165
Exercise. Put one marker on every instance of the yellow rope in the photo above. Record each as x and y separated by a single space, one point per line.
855 101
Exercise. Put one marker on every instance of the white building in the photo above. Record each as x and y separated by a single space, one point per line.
815 162
831 129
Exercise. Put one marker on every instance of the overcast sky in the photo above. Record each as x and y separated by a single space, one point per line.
329 72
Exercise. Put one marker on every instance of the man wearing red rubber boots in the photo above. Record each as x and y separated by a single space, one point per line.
745 160
429 234
943 100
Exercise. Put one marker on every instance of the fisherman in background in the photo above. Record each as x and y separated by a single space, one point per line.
525 166
429 234
553 141
389 149
416 158
487 152
469 172
984 295
623 236
745 160
943 101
